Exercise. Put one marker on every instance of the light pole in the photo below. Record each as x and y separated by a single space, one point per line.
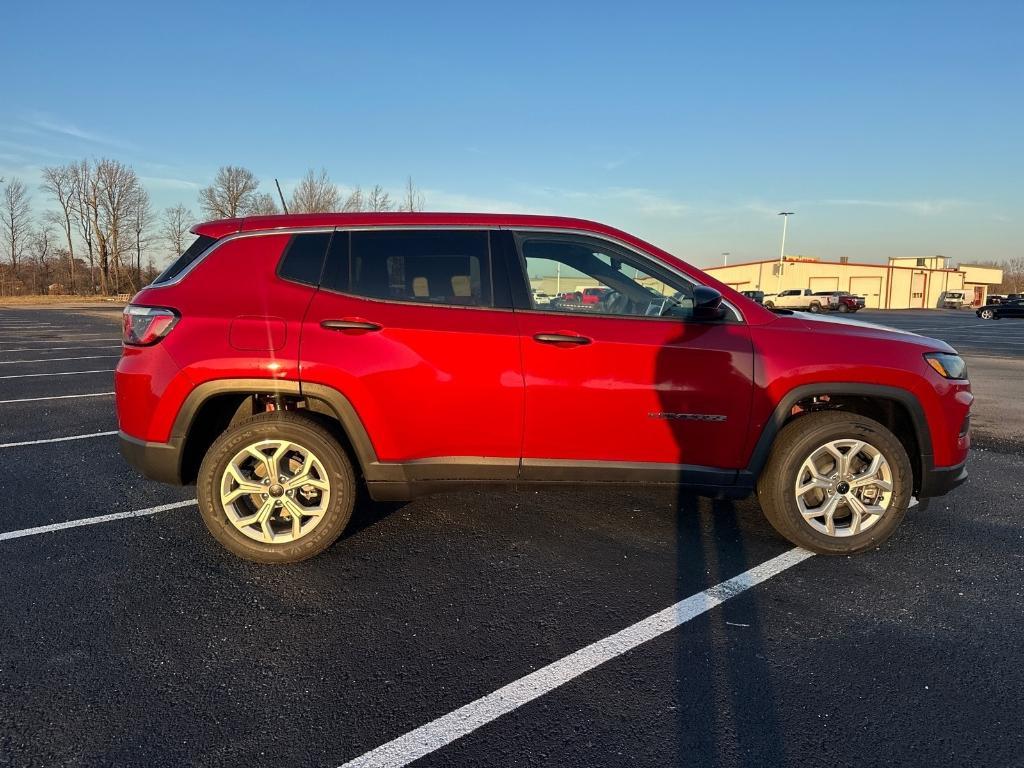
782 250
725 258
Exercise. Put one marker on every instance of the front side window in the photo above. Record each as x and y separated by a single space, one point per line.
569 273
449 267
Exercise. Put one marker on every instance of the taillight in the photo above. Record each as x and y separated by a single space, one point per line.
144 326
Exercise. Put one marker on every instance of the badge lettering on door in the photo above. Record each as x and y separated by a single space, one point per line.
688 416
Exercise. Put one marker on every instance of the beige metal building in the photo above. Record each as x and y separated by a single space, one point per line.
903 283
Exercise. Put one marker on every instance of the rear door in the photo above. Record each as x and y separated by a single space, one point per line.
405 326
631 383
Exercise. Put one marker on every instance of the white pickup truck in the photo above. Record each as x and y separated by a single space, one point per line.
797 299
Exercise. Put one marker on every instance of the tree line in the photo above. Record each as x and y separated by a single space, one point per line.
99 233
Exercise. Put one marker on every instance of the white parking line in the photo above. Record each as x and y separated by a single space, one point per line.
94 520
59 349
57 439
55 373
58 359
58 338
54 397
446 729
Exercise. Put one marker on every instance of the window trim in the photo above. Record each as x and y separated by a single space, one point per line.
643 257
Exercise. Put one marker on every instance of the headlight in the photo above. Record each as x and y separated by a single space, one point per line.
947 365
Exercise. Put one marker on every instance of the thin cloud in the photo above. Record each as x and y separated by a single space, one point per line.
440 200
164 182
52 125
643 201
920 207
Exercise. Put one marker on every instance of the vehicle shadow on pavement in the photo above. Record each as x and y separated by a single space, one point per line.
721 659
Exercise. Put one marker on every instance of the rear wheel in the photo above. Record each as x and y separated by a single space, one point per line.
276 488
836 483
770 304
815 307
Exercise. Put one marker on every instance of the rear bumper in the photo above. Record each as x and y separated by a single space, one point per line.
157 461
938 481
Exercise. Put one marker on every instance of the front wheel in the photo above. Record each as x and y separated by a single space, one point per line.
276 488
843 308
987 314
836 483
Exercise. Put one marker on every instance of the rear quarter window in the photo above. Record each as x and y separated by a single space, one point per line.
303 258
199 246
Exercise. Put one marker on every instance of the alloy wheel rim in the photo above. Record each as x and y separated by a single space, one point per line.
275 491
843 488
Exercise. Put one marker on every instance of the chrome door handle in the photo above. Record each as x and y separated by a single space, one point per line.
560 338
350 324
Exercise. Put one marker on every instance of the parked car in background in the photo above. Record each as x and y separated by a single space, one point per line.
796 299
757 296
594 295
995 298
539 297
1008 308
953 300
842 301
289 365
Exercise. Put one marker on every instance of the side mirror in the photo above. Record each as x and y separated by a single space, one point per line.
707 304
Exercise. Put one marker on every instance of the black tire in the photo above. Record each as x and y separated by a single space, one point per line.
843 308
305 431
992 314
815 307
794 443
769 305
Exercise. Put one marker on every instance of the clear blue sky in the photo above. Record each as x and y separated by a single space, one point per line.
891 128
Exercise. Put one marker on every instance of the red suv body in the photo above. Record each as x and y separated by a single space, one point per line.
413 340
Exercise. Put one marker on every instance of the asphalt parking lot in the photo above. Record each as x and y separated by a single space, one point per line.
451 628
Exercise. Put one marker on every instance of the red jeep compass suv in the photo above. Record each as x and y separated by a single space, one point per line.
283 362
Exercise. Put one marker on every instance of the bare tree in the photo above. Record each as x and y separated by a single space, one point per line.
378 200
413 197
59 182
82 185
40 245
174 226
141 218
1014 273
315 194
355 202
263 204
16 222
119 193
231 193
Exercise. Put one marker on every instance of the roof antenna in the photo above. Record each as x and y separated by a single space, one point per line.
284 205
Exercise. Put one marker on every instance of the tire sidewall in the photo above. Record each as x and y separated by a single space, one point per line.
779 492
304 432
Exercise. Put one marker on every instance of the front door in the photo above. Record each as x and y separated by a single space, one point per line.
404 325
630 382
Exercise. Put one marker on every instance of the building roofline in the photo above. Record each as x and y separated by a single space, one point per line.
835 263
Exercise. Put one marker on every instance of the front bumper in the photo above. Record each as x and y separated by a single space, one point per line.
938 481
157 461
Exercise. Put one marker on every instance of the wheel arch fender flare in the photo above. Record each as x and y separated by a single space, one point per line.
334 401
759 455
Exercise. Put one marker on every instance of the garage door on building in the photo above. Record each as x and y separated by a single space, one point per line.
824 284
868 287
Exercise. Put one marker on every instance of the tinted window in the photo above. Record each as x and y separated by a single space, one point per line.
433 267
303 258
193 252
336 269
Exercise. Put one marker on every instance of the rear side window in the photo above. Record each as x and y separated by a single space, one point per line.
193 252
303 257
432 267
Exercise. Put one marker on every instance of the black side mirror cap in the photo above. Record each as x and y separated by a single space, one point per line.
707 304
